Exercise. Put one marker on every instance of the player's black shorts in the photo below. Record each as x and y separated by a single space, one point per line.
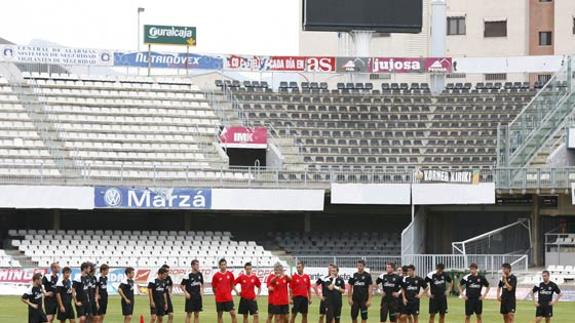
270 309
248 306
544 311
159 310
68 314
37 316
84 310
389 308
332 312
507 306
224 306
279 309
473 306
51 305
127 309
357 308
322 308
300 305
438 304
194 304
170 305
103 309
411 308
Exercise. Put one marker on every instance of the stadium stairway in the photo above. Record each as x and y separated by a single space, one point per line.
536 132
230 112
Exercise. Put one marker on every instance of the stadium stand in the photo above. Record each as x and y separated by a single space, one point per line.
105 127
357 128
21 149
137 248
338 243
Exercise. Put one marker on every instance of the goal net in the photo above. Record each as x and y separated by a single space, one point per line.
514 238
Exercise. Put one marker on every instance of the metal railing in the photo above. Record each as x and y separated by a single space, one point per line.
424 264
41 172
185 174
490 264
374 263
520 140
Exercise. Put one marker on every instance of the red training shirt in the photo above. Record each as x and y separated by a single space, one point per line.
280 294
223 283
300 285
270 290
248 284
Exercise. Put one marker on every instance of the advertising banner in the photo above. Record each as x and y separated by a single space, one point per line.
152 198
438 64
55 55
320 64
244 137
170 35
395 65
446 176
352 65
19 275
247 63
410 65
288 63
167 60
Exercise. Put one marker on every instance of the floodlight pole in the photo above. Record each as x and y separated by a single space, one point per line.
140 10
438 40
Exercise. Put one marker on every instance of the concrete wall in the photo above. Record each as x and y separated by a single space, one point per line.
541 19
564 38
476 13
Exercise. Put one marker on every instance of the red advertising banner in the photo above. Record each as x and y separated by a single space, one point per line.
410 65
320 64
243 137
395 65
438 64
18 275
288 63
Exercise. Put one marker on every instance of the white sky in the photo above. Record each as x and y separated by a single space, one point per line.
223 26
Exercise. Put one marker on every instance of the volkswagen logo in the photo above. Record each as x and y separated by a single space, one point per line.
113 197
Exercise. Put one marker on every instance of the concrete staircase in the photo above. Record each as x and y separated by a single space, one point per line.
25 261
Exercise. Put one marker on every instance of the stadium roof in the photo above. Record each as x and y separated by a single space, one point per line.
4 41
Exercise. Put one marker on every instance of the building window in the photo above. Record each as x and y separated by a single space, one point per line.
455 25
545 38
543 78
573 25
545 0
456 76
495 29
496 77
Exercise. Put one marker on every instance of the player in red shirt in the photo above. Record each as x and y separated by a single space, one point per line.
270 297
300 293
222 285
279 299
248 303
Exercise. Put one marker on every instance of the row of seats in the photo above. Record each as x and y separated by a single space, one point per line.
338 243
339 131
141 248
105 124
120 233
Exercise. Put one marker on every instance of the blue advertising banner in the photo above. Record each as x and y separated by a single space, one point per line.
168 60
152 198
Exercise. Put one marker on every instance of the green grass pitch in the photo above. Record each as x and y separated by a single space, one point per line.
12 311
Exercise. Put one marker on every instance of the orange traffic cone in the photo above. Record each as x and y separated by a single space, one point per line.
142 319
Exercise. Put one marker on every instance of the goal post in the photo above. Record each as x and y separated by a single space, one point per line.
512 238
